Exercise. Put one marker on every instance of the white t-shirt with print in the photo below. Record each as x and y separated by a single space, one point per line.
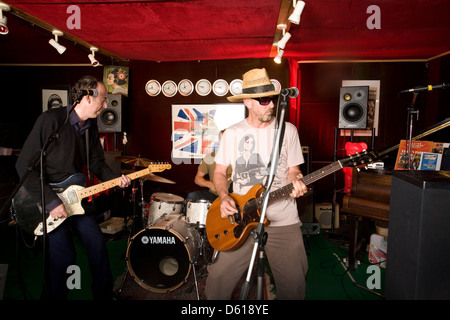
248 151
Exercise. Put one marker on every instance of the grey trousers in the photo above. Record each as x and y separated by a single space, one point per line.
286 254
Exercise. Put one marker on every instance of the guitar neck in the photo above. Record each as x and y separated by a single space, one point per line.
87 192
307 180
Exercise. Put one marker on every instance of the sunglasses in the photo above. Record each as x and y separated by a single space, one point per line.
264 101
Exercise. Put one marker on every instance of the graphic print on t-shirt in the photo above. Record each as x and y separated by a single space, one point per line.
249 166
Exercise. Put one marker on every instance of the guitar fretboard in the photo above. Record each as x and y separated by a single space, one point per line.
307 180
87 192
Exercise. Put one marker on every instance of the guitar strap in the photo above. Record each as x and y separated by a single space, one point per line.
279 151
87 154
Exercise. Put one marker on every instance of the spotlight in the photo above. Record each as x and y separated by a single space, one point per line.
298 9
282 43
54 42
91 57
286 36
3 26
277 59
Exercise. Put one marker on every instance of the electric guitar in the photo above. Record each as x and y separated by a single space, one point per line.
226 234
71 191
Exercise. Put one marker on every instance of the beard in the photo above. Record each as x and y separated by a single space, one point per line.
266 117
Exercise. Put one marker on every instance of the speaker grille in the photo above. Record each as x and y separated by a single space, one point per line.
353 105
110 119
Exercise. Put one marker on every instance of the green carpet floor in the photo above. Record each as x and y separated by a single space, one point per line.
327 278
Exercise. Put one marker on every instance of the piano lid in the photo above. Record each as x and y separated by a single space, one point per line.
439 132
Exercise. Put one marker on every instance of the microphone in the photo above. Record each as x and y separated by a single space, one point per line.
427 88
89 92
86 92
290 92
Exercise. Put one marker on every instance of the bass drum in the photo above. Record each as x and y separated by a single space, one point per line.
159 257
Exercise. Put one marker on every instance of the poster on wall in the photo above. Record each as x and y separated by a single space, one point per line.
373 106
195 128
116 79
54 98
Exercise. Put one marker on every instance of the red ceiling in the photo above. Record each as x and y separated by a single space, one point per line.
231 29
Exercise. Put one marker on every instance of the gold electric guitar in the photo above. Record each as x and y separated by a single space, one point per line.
226 234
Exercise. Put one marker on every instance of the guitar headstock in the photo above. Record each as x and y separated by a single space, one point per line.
159 167
365 157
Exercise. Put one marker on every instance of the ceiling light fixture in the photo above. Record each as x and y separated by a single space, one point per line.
91 57
54 42
277 59
285 38
298 9
3 26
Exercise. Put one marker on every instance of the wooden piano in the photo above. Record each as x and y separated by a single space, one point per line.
369 199
370 194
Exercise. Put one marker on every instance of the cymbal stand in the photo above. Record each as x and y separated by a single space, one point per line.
142 204
133 226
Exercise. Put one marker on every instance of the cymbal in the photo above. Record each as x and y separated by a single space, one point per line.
150 176
135 161
156 178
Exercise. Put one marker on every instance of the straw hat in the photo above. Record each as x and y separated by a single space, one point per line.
255 84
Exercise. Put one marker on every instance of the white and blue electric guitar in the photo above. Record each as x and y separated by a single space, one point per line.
71 191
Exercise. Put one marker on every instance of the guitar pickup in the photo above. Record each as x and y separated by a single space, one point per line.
235 218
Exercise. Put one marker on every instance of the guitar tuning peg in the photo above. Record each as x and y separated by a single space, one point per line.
358 169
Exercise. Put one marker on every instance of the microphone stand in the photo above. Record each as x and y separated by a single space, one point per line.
39 158
259 235
409 128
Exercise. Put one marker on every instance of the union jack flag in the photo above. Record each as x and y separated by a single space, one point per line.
192 131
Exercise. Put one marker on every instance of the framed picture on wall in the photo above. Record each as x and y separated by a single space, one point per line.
116 79
55 98
373 106
195 128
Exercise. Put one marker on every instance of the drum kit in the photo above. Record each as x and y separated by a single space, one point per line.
165 248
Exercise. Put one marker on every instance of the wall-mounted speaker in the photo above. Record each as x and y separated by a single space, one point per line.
353 103
110 119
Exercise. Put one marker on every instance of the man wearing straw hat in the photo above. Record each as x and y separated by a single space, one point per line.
246 146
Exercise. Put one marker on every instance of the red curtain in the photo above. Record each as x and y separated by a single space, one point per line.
294 81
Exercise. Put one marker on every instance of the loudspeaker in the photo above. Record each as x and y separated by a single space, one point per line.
110 119
324 212
418 262
353 103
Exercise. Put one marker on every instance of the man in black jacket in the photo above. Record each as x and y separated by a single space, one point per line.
75 146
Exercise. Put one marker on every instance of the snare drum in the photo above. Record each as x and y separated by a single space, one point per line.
160 257
196 211
161 203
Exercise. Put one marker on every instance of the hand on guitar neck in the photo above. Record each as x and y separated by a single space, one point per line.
60 211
